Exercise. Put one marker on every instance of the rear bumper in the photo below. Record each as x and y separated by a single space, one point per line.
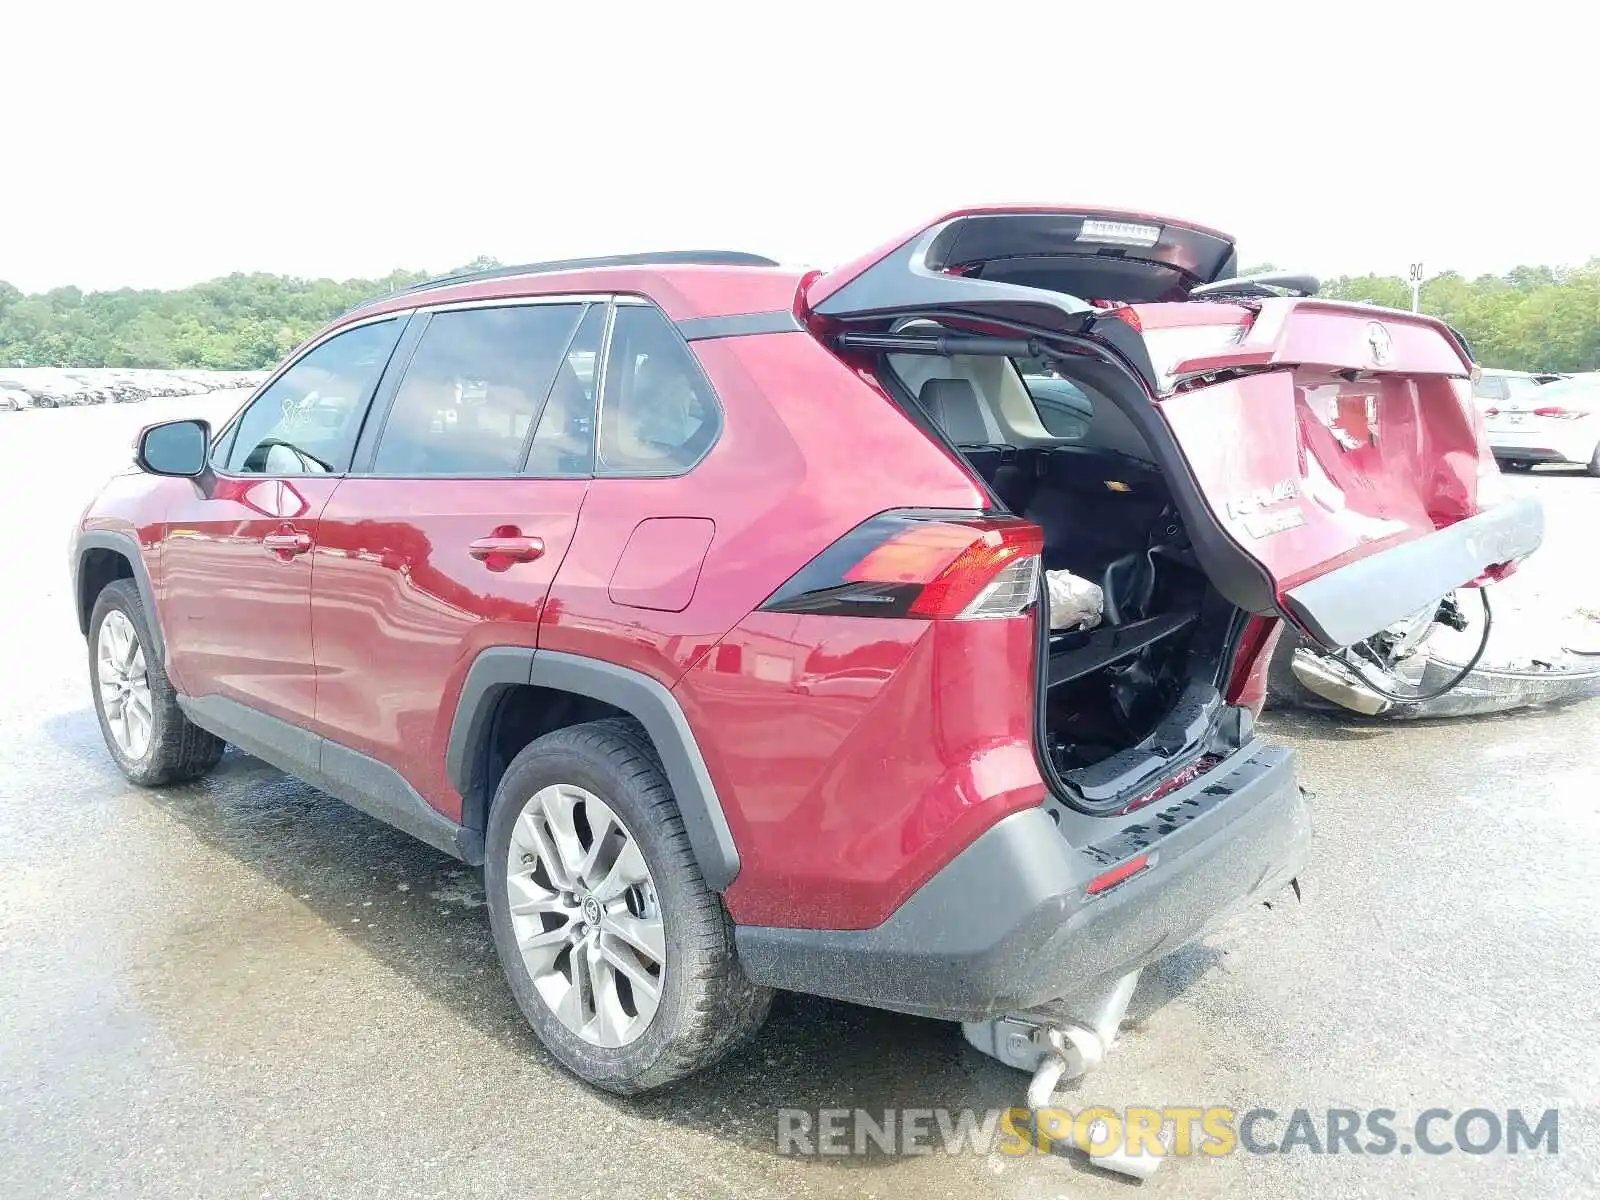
1007 924
1572 442
1355 601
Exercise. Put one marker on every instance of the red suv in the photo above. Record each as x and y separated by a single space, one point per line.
704 604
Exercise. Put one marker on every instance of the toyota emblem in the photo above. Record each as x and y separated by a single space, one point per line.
1380 343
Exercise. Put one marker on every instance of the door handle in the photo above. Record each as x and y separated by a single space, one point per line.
501 550
287 543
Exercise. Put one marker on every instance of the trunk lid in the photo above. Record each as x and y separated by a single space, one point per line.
1327 458
1338 449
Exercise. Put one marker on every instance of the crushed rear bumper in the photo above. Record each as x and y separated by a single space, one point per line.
1355 601
1008 924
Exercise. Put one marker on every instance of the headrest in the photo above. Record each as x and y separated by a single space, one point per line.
955 408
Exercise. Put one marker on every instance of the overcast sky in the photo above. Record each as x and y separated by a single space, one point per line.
157 143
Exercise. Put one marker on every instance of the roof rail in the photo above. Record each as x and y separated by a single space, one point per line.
655 258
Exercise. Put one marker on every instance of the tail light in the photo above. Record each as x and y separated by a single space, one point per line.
1120 873
1247 684
1491 412
1128 316
934 565
1560 413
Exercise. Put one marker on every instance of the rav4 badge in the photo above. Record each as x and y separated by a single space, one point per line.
1263 497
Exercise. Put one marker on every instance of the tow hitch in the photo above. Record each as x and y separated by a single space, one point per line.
1065 1039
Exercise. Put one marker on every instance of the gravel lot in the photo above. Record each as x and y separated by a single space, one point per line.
244 988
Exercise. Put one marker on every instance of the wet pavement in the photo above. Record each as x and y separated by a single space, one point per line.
243 988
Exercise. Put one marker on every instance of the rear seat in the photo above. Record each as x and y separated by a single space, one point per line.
1087 526
955 408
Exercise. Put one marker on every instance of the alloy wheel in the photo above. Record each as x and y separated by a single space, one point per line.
124 685
585 915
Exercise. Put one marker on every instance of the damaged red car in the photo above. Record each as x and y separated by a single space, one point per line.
706 605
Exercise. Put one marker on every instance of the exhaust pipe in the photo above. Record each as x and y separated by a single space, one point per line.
1331 682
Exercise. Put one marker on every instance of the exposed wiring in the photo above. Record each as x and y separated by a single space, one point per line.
1488 622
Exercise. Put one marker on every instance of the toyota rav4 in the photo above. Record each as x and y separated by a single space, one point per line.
703 603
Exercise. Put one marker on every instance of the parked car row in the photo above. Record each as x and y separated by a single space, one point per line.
52 387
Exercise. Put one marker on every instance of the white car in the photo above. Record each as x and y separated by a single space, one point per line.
1495 385
1556 423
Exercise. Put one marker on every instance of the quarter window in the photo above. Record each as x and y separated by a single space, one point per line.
472 393
658 415
307 421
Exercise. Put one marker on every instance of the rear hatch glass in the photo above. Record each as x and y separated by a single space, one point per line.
1087 253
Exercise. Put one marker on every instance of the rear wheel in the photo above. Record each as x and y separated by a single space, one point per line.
1594 462
145 730
618 954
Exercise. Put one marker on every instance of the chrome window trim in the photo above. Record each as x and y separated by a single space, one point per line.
612 300
579 300
515 302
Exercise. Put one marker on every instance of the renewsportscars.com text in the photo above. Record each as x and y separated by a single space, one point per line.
1169 1129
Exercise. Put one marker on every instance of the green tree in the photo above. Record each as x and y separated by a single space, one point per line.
1530 318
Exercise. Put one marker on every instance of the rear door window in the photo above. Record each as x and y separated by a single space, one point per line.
1064 408
658 415
472 394
306 421
563 442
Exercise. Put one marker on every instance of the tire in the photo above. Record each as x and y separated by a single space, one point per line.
176 750
705 1006
1594 462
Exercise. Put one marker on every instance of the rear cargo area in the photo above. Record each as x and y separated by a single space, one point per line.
1135 697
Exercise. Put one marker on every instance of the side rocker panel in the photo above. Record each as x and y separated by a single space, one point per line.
360 781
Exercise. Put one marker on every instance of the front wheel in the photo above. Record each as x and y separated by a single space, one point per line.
618 954
1594 462
145 730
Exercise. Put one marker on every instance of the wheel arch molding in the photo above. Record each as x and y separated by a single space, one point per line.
126 547
499 669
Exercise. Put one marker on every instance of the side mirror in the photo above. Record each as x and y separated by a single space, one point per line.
174 448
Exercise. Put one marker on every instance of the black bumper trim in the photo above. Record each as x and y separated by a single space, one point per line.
1354 602
1006 925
